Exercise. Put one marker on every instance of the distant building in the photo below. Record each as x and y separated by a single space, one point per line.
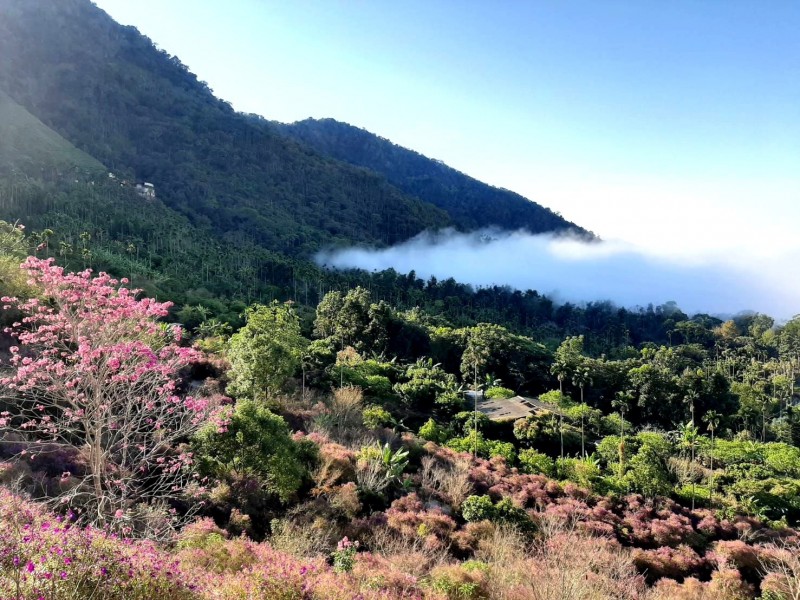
511 409
146 190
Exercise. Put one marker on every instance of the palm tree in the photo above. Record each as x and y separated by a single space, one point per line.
583 410
581 378
688 438
690 398
712 418
622 403
560 369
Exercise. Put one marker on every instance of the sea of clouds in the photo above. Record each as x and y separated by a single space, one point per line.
567 268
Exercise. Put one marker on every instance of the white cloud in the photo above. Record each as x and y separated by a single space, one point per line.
572 270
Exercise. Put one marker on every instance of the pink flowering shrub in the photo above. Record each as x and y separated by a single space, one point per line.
668 562
724 585
94 372
409 517
43 556
670 540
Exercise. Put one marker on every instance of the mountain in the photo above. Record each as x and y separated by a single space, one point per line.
110 92
90 109
470 203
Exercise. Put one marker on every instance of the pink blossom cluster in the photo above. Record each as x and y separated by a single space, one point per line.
47 556
52 558
94 370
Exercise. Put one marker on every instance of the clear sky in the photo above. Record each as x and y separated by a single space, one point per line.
673 126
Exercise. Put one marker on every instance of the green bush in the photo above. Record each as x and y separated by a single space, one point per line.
432 432
583 471
481 508
499 393
376 416
535 462
485 448
478 508
257 443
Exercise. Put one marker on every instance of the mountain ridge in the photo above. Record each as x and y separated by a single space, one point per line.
472 204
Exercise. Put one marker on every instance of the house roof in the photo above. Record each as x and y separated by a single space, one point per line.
518 407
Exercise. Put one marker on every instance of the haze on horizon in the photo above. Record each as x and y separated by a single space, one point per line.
673 130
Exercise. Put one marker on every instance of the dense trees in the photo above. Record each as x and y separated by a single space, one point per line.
265 352
673 482
464 198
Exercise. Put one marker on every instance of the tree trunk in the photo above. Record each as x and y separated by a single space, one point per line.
711 484
583 447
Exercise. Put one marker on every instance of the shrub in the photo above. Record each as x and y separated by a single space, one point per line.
583 471
256 442
344 556
432 432
478 508
379 467
536 463
499 393
667 562
484 447
376 416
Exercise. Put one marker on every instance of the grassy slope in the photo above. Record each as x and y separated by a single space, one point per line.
28 145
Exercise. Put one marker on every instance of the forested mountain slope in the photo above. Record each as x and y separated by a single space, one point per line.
470 203
139 111
239 207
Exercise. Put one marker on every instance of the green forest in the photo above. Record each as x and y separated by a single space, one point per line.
361 421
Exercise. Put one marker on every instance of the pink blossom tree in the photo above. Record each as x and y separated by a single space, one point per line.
95 374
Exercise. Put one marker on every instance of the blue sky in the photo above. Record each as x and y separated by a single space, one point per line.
671 126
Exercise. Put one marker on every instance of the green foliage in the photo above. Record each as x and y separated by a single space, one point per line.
473 442
432 432
499 393
583 471
13 249
376 416
392 463
493 350
647 472
265 352
481 508
477 508
257 443
426 384
556 398
536 463
608 449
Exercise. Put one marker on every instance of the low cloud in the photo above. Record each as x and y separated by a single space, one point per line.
568 269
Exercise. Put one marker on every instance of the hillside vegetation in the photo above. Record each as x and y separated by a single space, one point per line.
141 113
355 466
470 203
286 432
